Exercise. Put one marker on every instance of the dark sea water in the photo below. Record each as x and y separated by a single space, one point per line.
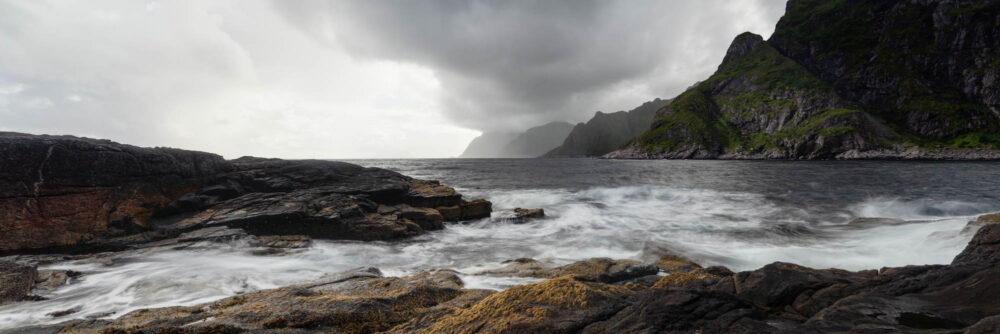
741 214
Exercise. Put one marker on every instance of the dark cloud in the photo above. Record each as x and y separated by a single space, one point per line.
507 65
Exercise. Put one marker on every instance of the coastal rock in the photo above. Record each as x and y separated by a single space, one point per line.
356 302
51 279
518 215
590 298
61 190
984 247
559 305
475 209
592 270
130 195
16 280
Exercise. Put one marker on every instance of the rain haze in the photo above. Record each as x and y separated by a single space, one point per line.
348 79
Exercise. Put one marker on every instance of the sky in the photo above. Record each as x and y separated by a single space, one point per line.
348 79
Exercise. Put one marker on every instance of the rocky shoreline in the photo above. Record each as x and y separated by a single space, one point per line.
600 295
66 197
70 194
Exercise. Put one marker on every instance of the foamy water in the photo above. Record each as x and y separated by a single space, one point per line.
742 215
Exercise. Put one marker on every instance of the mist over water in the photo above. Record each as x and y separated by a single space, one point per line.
741 214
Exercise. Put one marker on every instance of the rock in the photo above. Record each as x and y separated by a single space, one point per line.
17 280
428 317
663 311
431 194
357 302
780 284
476 209
559 305
285 241
50 279
595 270
61 190
518 215
129 195
993 218
466 210
984 247
675 264
711 278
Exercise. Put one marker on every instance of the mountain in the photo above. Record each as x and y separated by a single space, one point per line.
488 145
605 132
846 79
529 144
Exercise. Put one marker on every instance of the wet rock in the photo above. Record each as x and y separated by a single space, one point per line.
559 305
64 313
428 317
684 311
711 278
52 279
780 284
16 280
466 210
984 247
140 195
519 215
596 270
285 241
61 190
356 302
675 264
430 194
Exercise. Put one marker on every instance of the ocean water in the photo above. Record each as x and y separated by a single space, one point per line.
740 214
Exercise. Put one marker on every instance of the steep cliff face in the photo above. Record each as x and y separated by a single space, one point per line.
846 79
605 132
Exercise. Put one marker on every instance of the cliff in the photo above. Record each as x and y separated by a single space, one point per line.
605 132
846 79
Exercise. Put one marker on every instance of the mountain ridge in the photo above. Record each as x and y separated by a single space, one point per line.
902 87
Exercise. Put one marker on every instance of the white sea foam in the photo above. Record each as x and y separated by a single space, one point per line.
736 229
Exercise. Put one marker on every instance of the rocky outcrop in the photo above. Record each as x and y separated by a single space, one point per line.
60 190
610 296
77 194
886 79
605 132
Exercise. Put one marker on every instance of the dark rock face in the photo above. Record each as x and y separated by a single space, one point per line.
16 281
57 191
82 194
885 79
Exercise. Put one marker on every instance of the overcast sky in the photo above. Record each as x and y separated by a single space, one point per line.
348 79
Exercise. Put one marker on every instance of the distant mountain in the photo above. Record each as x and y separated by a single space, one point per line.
488 145
529 144
849 79
605 132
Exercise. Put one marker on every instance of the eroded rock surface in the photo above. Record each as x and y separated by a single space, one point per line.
77 194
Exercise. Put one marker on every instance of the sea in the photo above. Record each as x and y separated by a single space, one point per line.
853 215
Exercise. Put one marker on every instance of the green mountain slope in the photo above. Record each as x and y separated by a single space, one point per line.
845 79
605 132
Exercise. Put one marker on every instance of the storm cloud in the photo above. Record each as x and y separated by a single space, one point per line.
347 79
507 65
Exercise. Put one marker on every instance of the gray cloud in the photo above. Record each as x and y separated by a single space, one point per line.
506 65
